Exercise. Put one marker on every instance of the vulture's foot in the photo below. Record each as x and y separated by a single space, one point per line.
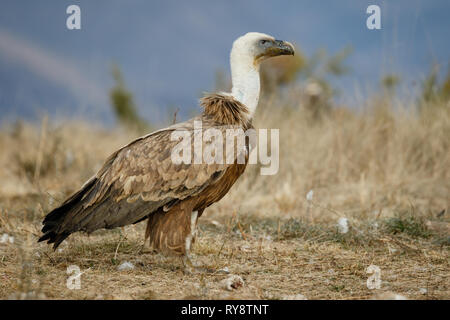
191 267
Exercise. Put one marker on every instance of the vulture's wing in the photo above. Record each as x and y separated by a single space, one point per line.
135 181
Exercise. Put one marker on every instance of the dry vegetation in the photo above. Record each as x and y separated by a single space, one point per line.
386 171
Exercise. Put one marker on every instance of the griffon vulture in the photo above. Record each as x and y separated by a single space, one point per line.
141 181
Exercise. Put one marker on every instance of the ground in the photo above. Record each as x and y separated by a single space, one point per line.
276 259
353 191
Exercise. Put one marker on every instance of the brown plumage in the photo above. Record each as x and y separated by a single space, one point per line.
225 109
140 181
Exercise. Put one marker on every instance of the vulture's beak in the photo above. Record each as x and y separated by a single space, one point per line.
279 48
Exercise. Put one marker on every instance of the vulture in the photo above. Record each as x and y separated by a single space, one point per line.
141 181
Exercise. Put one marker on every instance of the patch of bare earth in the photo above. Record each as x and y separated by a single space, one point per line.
273 263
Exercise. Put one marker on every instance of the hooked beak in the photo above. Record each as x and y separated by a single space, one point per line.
274 48
280 48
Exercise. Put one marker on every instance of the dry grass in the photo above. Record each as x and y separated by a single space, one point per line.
386 171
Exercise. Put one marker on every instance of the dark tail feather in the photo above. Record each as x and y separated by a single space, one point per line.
55 218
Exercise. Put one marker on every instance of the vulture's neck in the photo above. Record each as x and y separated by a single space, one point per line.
245 81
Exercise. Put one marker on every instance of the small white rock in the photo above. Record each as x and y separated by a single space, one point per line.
423 291
125 266
309 195
342 225
216 223
224 270
392 250
6 238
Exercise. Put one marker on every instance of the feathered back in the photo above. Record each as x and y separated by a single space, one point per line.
225 109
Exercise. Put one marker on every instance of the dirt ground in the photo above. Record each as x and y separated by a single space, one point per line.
276 259
360 201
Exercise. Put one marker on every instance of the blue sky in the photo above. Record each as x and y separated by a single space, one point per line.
169 51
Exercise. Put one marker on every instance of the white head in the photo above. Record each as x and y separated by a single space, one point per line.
246 56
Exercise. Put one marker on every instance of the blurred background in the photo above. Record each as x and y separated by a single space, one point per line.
364 119
362 109
167 53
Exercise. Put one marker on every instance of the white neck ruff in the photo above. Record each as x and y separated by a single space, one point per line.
245 80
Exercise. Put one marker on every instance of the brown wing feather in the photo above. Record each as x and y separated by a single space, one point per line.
137 180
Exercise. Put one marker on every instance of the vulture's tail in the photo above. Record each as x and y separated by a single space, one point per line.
52 230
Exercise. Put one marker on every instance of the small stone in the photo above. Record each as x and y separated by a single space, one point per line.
224 270
6 238
342 225
125 266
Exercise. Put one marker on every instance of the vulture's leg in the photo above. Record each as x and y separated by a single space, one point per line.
190 266
187 259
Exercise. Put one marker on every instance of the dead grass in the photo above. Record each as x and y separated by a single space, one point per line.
386 171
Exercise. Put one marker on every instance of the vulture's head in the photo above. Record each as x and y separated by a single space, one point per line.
255 47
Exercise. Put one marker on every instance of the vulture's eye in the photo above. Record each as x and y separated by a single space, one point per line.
263 42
